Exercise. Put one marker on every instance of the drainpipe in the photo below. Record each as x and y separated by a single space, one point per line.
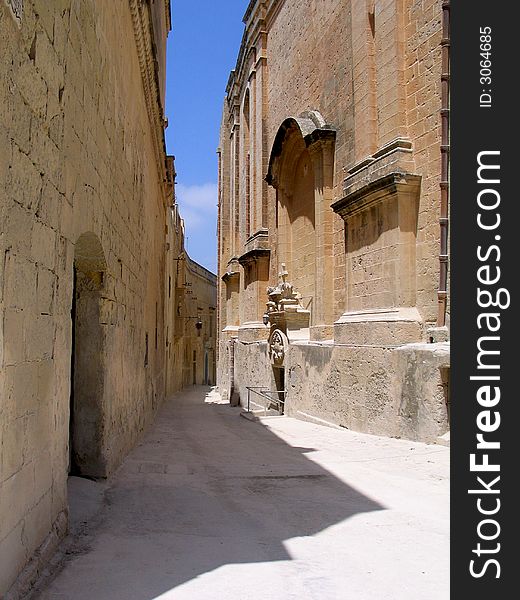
445 164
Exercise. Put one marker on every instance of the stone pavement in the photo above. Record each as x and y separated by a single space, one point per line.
212 506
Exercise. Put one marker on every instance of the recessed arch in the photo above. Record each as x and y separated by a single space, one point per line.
301 170
87 407
88 254
312 129
246 164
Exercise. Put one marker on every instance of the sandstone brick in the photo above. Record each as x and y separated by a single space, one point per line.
5 153
18 227
20 282
19 117
38 522
43 245
14 556
25 180
46 60
32 88
16 498
21 387
49 209
38 426
45 12
45 289
13 346
13 434
39 342
47 156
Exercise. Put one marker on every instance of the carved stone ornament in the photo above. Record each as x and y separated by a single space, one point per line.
283 295
278 344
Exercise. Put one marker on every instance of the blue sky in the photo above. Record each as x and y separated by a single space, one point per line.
202 50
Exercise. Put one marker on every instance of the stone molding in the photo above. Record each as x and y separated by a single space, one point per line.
256 248
314 130
258 240
143 33
394 157
372 192
232 272
254 255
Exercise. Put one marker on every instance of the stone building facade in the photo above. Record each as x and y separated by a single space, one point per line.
88 228
333 193
197 317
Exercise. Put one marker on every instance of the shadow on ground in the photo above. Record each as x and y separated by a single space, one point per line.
205 488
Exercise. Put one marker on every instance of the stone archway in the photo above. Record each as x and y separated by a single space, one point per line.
301 170
297 218
87 411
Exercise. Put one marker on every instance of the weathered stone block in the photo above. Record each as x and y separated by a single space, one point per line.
46 60
38 522
20 282
5 153
40 338
16 498
19 117
25 181
13 433
14 336
49 207
32 88
20 390
18 227
45 289
39 424
422 390
46 380
43 245
14 556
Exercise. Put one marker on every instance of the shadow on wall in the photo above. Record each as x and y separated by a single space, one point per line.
202 491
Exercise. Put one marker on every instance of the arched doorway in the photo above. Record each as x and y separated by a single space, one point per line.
87 411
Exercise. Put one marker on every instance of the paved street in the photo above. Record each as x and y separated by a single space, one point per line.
213 506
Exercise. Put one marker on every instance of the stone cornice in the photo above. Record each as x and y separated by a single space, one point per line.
230 275
253 39
373 191
167 8
143 33
254 255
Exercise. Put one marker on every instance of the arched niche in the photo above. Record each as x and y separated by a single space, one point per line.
87 409
301 169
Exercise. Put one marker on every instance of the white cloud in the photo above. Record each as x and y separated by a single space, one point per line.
198 204
198 208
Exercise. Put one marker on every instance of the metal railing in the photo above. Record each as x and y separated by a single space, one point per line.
272 397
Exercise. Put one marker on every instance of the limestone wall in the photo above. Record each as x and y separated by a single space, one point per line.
173 293
384 391
82 168
358 83
373 71
199 306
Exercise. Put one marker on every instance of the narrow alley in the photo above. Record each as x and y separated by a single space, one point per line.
213 506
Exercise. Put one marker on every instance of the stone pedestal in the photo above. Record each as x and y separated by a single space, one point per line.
253 331
392 327
293 321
